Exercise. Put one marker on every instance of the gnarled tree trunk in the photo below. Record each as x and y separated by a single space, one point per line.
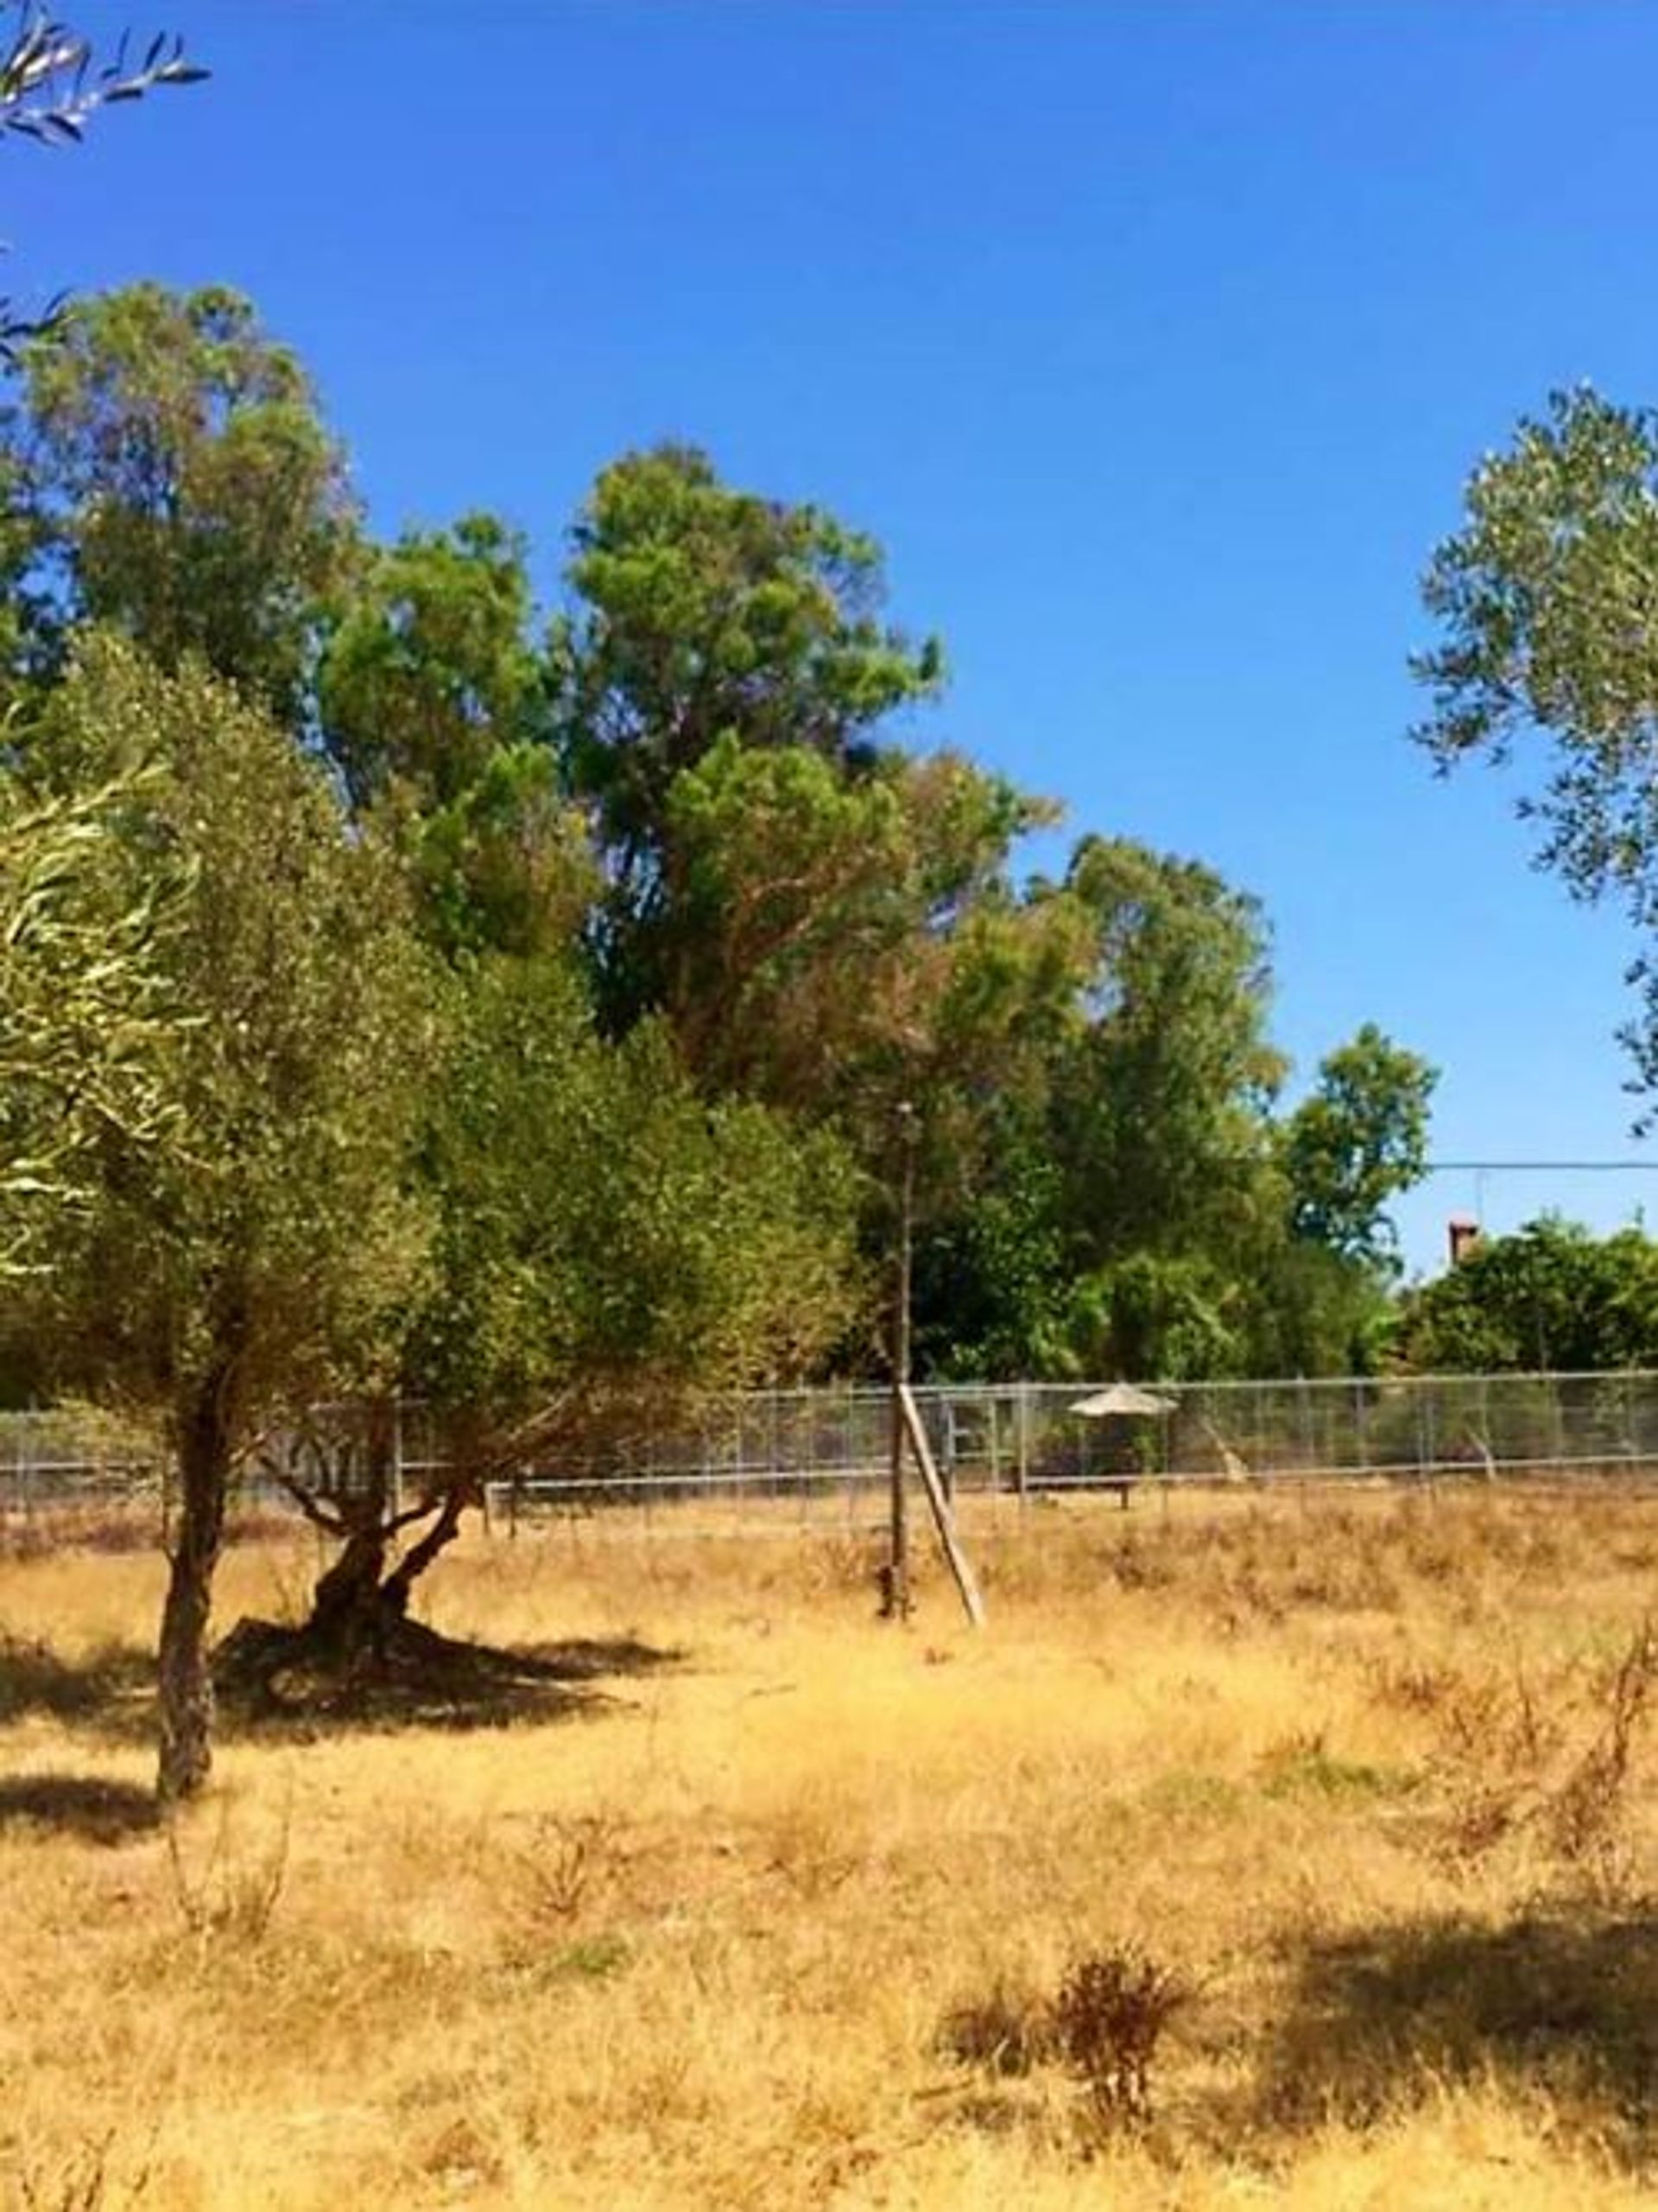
185 1681
345 1608
361 1604
357 1639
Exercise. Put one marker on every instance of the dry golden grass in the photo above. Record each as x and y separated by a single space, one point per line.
729 1934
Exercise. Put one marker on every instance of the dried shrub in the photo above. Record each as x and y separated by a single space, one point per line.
1109 2016
26 1536
1009 2030
807 1843
83 2181
1547 1761
1412 1685
1139 1564
1103 2024
231 1896
1302 1764
569 1860
1584 1812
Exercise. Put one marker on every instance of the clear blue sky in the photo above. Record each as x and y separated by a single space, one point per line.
1154 342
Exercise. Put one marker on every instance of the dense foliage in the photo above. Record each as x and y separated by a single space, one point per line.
1544 600
406 987
83 1007
679 793
1552 1295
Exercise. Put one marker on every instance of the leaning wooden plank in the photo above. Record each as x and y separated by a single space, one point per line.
943 1519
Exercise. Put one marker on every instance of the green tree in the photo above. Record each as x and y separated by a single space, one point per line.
1551 1296
1308 1309
702 613
835 936
1161 1105
608 1249
1132 1208
851 948
84 1005
434 703
1169 1316
603 1229
1356 1143
431 668
171 479
1143 1213
1545 598
252 1254
81 1007
995 1295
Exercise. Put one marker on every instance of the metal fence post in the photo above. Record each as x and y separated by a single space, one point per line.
1361 1432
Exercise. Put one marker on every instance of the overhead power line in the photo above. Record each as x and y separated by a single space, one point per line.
1541 1166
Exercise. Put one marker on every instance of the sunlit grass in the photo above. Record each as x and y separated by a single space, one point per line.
698 1945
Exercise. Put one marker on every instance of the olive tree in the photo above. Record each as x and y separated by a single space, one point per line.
52 84
608 1252
1546 602
84 1006
250 1254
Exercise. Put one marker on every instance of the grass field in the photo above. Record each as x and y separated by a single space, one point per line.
789 1909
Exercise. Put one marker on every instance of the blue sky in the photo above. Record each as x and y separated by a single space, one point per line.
1155 343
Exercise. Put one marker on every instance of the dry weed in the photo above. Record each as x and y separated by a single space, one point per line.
230 1894
1548 1759
570 1862
707 1945
1109 2014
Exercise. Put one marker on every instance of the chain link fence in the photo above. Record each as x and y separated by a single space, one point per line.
820 1458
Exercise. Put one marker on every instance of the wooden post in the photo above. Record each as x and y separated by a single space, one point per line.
944 1519
895 1581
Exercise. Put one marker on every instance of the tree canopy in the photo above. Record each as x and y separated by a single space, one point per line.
172 479
1552 1295
407 987
84 1005
700 612
601 1228
433 705
252 1252
1546 600
1358 1140
681 790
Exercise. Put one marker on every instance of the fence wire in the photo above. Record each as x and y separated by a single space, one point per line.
819 1458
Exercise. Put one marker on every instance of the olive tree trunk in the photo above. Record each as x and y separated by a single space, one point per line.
185 1683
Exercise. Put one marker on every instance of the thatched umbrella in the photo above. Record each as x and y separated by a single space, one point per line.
1124 1399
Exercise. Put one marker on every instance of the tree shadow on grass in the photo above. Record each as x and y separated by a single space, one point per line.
271 1679
78 1804
1566 2005
111 1689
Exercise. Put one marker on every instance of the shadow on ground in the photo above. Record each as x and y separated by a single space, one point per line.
112 1688
268 1678
77 1804
1565 2004
271 1677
